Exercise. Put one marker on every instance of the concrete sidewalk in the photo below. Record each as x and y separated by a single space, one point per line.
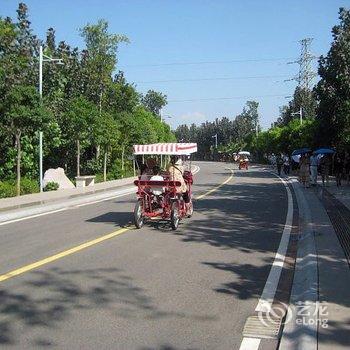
51 196
15 208
320 297
18 208
342 193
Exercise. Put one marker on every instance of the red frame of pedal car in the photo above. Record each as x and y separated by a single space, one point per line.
159 206
243 164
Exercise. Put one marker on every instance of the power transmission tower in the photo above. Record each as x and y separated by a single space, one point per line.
306 73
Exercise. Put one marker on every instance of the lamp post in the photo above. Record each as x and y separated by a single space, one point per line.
300 113
216 140
165 116
43 58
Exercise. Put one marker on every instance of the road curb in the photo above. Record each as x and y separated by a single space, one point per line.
298 335
7 217
43 209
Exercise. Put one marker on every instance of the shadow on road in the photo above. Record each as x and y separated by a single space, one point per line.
116 218
47 298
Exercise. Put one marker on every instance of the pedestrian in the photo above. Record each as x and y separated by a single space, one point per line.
286 165
279 163
338 168
313 169
304 170
325 163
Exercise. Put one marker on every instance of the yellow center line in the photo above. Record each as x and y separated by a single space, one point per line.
217 187
85 245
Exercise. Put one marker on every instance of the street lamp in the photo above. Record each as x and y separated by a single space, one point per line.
43 58
216 140
300 113
166 116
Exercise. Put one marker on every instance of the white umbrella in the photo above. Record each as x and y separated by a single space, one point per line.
244 153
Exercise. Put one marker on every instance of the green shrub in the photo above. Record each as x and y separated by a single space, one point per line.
29 186
7 189
98 178
51 186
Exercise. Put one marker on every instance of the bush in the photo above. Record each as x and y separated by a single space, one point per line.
98 178
29 186
51 186
7 189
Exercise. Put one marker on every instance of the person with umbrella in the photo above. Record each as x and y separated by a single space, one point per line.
304 165
313 169
324 163
304 170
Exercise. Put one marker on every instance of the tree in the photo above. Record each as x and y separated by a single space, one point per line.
23 115
154 101
107 135
79 120
84 106
101 57
121 96
333 89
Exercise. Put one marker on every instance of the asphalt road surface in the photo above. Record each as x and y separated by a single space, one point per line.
152 288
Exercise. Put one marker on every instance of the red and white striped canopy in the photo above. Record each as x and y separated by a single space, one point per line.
166 148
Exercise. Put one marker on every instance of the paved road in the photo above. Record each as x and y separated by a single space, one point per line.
144 289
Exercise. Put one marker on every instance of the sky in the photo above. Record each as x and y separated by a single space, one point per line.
208 56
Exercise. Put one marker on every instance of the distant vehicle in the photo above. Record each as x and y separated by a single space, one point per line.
243 160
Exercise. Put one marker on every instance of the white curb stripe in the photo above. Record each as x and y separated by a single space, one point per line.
250 344
268 294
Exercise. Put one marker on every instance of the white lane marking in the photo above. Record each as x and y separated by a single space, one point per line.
32 216
250 344
102 200
197 169
63 209
268 294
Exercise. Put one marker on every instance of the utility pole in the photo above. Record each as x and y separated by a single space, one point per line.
306 73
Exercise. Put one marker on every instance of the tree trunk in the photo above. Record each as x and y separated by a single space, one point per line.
123 151
105 167
100 103
98 151
18 142
78 158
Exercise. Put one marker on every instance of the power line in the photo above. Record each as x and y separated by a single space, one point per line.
226 98
210 79
210 62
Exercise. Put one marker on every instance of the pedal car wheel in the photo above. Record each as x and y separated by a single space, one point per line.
138 217
175 219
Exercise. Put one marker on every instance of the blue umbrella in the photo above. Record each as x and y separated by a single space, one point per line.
301 151
324 151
